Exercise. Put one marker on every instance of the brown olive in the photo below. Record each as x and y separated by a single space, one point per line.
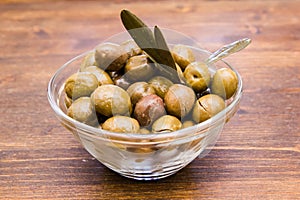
111 100
197 76
131 48
207 106
224 83
160 85
138 68
166 123
148 109
102 76
83 111
80 84
179 100
138 90
121 124
89 60
111 57
183 55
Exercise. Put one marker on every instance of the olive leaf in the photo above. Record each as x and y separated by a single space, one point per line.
141 34
163 49
166 56
153 44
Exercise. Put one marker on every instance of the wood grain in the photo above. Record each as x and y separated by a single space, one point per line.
258 153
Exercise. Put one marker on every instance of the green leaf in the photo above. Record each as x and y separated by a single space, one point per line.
163 49
139 31
154 46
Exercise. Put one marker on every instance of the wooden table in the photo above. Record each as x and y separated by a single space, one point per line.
258 153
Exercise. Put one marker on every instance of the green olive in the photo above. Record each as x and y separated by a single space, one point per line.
188 123
121 124
89 60
101 118
197 76
131 48
224 83
83 111
138 68
179 73
68 101
80 84
115 74
166 123
121 81
111 57
144 131
183 55
179 100
138 90
207 106
102 76
148 109
203 93
160 85
111 100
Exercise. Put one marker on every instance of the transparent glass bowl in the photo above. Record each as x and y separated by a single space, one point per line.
144 156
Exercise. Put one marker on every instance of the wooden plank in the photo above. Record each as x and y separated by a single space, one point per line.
258 153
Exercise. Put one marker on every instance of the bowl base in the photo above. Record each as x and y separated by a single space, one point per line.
147 175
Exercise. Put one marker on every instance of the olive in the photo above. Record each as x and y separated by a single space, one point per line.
148 109
115 74
188 123
121 124
80 84
111 100
131 48
166 123
138 68
183 55
197 76
102 76
121 81
179 100
140 150
203 93
138 90
101 118
144 131
83 111
160 85
68 101
89 60
180 73
111 57
224 83
207 106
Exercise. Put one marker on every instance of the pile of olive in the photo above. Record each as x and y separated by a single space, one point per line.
119 89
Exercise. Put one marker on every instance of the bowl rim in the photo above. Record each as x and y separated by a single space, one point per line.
98 133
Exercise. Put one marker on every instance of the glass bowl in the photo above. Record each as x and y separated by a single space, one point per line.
144 156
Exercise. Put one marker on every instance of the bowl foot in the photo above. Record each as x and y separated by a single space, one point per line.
147 174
